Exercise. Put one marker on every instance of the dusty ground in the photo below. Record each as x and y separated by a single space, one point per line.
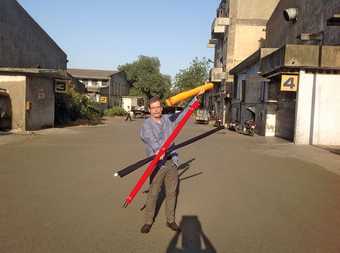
241 194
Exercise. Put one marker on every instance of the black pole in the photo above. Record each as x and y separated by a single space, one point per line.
133 167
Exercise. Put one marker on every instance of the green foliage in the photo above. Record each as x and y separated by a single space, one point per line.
115 111
194 75
74 106
146 78
135 92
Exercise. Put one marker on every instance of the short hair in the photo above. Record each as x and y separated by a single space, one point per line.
155 99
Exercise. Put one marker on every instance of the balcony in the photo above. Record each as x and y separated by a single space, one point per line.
212 43
217 75
219 26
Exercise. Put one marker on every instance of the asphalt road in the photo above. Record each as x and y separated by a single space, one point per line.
240 194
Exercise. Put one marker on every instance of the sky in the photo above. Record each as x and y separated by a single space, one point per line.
111 33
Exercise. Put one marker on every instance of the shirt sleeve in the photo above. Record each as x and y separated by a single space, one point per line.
148 138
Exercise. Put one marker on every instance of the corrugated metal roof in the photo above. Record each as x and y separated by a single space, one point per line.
91 73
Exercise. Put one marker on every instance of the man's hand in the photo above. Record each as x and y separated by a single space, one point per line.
162 157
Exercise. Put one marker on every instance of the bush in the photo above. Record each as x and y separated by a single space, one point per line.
115 111
74 106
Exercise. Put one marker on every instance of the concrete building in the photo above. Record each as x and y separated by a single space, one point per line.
5 110
299 101
103 86
237 32
30 64
250 93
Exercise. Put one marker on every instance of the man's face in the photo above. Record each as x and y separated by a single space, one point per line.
156 109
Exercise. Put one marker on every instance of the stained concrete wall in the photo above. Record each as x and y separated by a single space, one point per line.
285 109
318 107
312 18
248 39
255 9
246 32
23 43
16 88
40 92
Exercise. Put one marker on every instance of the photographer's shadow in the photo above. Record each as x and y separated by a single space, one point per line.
191 239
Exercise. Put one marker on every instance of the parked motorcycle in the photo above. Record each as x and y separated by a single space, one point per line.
248 128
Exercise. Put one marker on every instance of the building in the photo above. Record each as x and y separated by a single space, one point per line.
300 75
103 86
5 110
250 94
75 84
30 64
238 30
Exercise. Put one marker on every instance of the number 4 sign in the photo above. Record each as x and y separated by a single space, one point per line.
289 82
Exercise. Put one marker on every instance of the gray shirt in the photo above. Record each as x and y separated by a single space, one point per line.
155 134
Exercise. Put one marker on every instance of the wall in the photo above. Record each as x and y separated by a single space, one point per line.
247 30
304 108
40 92
313 15
248 40
326 130
285 111
5 111
23 43
317 109
16 87
256 9
120 87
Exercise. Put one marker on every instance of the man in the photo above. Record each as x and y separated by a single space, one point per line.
154 133
129 114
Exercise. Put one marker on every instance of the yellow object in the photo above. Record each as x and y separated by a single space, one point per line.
187 94
289 82
103 100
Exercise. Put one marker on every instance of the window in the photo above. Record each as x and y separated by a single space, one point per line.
243 91
263 92
97 98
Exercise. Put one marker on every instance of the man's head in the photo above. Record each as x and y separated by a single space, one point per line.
155 107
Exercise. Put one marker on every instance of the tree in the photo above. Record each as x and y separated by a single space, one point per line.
194 75
145 76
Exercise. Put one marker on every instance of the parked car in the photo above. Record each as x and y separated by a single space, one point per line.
202 116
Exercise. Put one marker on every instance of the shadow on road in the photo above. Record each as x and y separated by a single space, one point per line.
332 149
191 239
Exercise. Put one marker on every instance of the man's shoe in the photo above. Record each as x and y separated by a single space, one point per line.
145 229
173 226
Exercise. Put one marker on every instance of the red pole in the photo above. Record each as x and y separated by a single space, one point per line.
161 152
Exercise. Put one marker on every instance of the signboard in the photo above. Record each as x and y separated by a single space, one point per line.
60 86
103 100
289 82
